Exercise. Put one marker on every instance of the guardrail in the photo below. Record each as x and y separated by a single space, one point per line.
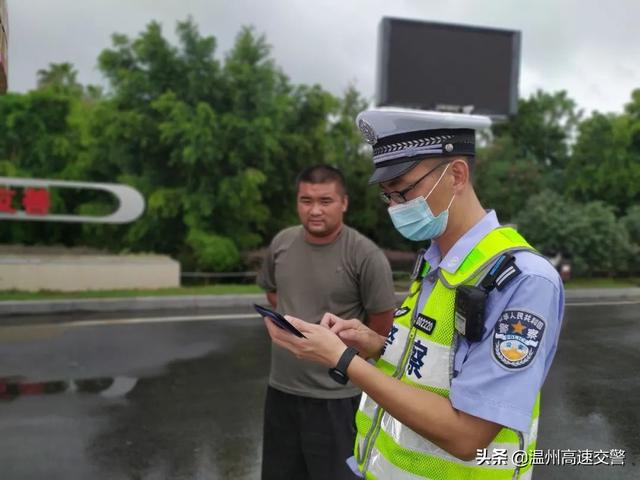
246 276
563 267
218 275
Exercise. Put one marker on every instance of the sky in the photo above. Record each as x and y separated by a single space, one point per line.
589 48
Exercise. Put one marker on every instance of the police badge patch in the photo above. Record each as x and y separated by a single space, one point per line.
400 312
516 338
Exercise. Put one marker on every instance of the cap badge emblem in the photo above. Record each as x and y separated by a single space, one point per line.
368 132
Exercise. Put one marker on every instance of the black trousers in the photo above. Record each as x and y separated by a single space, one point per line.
307 438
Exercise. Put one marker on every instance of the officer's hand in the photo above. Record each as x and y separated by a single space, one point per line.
355 334
320 345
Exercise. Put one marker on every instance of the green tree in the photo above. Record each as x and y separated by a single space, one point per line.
589 234
631 221
543 128
504 180
606 160
527 153
39 140
216 155
214 143
61 78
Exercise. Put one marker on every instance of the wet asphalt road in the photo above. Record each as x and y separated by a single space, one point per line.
183 399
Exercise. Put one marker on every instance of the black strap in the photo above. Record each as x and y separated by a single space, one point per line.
339 372
345 359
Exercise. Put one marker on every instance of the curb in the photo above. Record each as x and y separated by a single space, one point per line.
41 307
590 295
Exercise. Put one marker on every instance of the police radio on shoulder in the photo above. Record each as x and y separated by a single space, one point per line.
471 300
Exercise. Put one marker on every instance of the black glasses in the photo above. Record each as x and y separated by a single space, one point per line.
398 196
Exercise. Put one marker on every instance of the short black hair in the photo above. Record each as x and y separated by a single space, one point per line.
322 173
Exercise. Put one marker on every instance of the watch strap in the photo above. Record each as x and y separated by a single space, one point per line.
345 360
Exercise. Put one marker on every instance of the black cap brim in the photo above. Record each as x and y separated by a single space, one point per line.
384 174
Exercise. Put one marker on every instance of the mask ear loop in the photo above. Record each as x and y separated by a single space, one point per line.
448 207
452 198
438 182
451 202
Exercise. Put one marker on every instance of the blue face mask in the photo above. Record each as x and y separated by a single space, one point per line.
415 220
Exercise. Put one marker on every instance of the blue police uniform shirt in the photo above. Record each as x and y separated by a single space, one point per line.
499 377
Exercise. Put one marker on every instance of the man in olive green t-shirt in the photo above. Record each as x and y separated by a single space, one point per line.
317 267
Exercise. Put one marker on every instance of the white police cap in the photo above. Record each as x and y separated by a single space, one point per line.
401 138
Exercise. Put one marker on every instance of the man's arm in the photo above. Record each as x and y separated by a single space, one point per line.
272 298
380 322
377 292
266 278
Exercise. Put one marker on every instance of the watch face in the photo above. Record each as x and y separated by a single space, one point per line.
338 376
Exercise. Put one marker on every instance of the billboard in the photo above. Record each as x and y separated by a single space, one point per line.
445 67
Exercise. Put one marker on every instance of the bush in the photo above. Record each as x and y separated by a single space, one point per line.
213 252
631 222
504 180
588 234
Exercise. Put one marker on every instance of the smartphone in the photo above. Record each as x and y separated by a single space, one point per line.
278 319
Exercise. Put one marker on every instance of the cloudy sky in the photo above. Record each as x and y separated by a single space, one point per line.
588 47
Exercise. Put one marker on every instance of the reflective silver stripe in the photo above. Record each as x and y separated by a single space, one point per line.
383 469
368 406
361 443
363 401
504 274
407 152
533 433
393 353
435 371
410 440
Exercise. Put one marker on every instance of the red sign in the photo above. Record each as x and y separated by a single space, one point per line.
29 199
6 197
35 201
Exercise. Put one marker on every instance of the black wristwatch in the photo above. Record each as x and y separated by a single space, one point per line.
339 372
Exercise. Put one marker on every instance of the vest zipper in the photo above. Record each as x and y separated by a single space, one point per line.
376 425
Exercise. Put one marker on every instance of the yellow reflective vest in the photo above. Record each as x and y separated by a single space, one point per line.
387 449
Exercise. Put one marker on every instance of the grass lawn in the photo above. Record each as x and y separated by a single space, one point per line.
603 282
218 289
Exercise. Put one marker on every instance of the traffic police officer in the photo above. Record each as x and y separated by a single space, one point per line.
454 390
